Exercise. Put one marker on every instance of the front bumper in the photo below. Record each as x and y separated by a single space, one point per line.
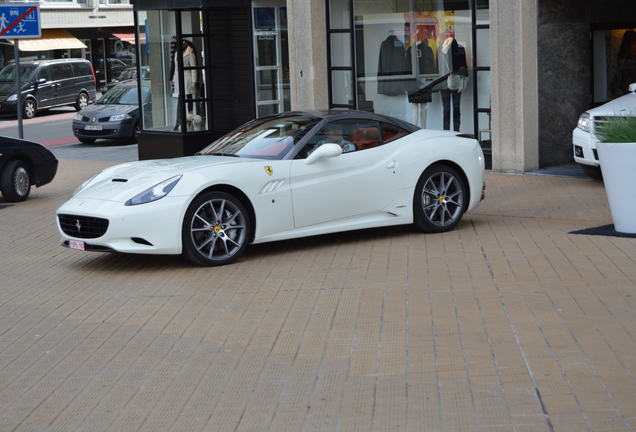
584 147
110 130
7 107
157 223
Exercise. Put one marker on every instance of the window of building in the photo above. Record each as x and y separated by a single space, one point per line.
174 50
421 61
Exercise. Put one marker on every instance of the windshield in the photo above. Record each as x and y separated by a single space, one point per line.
8 73
269 138
125 95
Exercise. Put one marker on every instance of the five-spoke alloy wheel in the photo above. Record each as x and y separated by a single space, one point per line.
216 229
440 199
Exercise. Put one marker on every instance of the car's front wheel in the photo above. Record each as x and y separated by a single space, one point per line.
440 199
82 101
29 109
15 181
216 229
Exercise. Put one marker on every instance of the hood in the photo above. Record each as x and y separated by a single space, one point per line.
105 110
135 177
622 106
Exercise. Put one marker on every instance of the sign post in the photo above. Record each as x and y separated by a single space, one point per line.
19 21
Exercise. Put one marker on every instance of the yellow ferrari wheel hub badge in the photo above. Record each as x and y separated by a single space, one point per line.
442 199
217 229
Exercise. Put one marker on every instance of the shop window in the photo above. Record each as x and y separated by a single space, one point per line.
614 55
173 50
271 57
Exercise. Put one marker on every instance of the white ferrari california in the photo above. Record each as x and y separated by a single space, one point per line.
290 175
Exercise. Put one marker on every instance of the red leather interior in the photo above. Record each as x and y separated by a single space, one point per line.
390 135
364 138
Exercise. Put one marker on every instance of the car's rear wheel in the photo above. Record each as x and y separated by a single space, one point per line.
216 229
440 199
82 101
593 171
29 109
15 181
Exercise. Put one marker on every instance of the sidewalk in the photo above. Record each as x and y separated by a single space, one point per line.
508 323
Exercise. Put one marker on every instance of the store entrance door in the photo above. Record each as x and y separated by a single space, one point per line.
271 59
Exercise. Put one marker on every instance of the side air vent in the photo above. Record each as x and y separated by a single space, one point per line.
139 240
120 180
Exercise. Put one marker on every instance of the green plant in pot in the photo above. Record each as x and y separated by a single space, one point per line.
617 155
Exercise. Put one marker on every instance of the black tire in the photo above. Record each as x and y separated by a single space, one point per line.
29 109
440 193
135 134
82 101
593 171
86 140
203 240
15 181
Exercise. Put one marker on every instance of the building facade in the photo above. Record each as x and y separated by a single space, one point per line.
100 31
516 74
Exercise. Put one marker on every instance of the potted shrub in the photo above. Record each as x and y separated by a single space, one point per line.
617 155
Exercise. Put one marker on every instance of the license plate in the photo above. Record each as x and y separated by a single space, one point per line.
77 244
92 127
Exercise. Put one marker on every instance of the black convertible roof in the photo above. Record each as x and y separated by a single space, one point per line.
331 115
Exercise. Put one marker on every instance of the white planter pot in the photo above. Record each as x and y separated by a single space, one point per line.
618 164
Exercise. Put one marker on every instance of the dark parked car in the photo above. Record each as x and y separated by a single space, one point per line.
47 84
114 116
23 164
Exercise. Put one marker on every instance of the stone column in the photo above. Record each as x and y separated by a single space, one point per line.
515 97
307 26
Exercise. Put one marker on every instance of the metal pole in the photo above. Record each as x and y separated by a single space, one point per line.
16 54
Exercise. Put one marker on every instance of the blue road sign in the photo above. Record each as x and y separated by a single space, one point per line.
19 21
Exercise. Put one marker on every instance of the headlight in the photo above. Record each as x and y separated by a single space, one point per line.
12 98
119 117
83 185
156 192
77 116
585 122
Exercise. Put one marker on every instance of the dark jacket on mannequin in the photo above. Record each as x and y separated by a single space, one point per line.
453 60
392 61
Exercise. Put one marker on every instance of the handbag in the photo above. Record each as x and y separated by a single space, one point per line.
456 81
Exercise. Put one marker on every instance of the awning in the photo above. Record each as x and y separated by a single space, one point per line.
130 37
51 39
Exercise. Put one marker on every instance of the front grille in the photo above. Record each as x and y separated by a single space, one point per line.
97 133
83 226
86 119
104 119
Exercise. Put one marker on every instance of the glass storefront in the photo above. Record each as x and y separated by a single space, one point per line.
614 53
173 49
423 61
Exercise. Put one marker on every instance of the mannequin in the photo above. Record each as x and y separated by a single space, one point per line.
392 61
190 81
452 59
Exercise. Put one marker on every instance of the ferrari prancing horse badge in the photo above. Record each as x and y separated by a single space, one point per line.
269 170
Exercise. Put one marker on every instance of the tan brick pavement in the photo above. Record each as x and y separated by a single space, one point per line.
508 323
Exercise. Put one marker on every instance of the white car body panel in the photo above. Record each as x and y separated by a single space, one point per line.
294 201
623 106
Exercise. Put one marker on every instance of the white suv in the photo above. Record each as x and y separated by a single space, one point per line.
583 138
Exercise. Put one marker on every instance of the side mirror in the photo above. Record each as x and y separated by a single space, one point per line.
41 81
324 151
632 88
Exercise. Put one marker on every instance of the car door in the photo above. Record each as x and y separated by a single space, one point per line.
361 181
45 90
63 77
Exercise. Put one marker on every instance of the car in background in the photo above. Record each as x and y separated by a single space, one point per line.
284 176
584 140
47 84
114 116
130 74
22 165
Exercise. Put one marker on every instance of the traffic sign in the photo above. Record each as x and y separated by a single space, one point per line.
19 21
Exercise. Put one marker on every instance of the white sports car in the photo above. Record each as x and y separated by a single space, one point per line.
290 175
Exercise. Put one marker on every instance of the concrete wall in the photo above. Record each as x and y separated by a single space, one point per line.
513 41
308 54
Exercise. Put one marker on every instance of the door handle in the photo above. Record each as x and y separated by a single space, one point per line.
391 165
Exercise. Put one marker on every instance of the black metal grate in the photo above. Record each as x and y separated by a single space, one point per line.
83 226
